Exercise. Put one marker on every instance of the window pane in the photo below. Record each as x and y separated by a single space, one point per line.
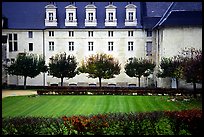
10 46
30 46
15 46
30 34
10 36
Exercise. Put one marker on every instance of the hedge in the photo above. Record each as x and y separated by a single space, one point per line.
186 122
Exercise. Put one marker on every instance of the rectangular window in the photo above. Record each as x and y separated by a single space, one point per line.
15 46
10 47
149 48
90 33
71 17
10 37
130 16
130 33
30 48
110 46
110 33
130 46
110 16
71 46
71 33
15 36
90 46
50 16
51 46
90 17
149 33
30 34
51 33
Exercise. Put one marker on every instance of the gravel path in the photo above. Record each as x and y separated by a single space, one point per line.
6 93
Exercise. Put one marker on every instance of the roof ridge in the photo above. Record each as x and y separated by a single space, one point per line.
166 14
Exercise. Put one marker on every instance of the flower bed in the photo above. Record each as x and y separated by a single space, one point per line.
186 122
110 91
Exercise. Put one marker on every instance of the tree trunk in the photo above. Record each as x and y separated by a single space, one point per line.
139 81
62 81
194 89
25 77
100 82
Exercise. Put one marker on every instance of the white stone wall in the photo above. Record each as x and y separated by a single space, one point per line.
100 39
23 46
173 40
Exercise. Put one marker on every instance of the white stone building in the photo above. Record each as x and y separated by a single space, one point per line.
121 29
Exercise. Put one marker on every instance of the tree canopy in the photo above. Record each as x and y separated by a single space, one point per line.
27 65
138 67
100 66
62 66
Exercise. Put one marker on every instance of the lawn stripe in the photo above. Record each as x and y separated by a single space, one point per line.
58 106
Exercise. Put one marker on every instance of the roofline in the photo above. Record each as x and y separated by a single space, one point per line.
164 15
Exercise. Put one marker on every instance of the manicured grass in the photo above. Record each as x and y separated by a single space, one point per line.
57 106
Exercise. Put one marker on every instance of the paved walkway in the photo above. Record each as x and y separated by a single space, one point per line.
6 93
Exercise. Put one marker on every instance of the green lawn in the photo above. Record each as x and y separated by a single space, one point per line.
57 106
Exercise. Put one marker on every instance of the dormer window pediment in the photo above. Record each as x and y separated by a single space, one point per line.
111 7
130 6
50 6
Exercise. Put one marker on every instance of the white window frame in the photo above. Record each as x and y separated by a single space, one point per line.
130 33
90 46
71 33
51 33
90 33
148 50
71 45
51 45
110 46
130 45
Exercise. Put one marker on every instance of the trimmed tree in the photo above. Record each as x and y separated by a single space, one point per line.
192 65
62 66
27 65
100 66
139 67
171 67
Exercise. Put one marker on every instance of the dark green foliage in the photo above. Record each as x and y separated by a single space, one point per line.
62 66
27 65
192 65
100 66
186 122
139 67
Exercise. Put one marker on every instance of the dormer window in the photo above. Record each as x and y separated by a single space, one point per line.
70 15
51 15
90 15
111 19
130 15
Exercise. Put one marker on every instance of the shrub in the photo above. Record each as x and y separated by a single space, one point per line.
186 122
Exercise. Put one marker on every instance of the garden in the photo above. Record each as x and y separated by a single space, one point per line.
101 115
106 110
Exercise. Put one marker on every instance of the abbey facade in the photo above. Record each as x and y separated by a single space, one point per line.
150 30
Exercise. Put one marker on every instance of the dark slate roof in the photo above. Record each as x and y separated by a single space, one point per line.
182 13
31 15
156 9
152 12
